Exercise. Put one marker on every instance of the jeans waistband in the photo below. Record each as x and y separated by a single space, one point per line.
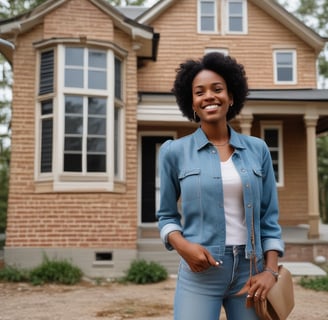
235 249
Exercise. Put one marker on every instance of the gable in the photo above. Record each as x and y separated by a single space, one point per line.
91 17
272 8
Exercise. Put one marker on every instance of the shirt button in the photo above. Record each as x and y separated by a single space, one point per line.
249 205
247 185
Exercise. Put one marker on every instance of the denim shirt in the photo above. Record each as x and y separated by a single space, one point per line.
190 171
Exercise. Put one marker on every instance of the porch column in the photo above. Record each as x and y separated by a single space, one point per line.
245 122
312 176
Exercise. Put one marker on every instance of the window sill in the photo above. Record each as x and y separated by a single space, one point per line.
79 187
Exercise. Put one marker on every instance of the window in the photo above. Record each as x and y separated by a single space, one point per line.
46 136
236 16
272 135
220 50
285 67
207 17
80 126
85 134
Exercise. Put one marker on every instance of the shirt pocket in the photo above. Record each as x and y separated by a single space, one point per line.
258 181
258 172
190 184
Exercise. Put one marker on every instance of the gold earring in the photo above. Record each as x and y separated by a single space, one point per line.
195 116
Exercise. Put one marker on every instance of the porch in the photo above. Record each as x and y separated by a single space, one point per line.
300 251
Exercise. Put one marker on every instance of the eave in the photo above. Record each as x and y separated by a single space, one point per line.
142 35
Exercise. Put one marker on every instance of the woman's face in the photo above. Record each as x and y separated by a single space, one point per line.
210 96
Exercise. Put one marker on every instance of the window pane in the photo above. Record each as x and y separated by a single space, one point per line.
74 56
285 74
284 58
274 156
97 59
96 145
73 162
276 171
236 8
96 126
97 80
74 104
97 106
207 24
117 128
207 8
73 144
74 124
73 78
118 79
271 137
235 24
46 145
96 163
46 107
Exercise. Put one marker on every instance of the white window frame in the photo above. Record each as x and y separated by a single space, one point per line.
79 181
276 125
199 18
294 66
226 15
220 50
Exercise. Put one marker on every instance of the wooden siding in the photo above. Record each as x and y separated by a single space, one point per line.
293 194
179 41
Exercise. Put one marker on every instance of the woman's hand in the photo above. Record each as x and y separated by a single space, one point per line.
197 257
259 285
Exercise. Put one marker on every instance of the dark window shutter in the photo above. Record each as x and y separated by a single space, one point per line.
47 72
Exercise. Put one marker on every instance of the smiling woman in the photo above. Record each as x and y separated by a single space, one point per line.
227 188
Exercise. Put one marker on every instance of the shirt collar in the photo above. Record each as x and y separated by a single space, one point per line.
202 141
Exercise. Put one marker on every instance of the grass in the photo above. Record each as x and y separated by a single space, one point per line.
316 283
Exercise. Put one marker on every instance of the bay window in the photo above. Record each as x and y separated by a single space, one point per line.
80 109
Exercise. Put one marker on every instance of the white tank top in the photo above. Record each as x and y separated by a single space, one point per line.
236 232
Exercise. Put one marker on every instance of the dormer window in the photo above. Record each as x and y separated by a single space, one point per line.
236 13
207 16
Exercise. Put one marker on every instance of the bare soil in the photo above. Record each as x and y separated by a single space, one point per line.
89 301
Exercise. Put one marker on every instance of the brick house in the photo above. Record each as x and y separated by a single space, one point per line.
92 103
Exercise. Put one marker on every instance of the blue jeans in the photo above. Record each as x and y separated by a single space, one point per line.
200 295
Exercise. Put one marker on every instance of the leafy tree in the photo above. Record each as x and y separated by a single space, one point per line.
11 8
314 13
322 145
5 90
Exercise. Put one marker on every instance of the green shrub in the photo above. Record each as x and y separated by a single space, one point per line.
142 272
12 274
317 283
55 272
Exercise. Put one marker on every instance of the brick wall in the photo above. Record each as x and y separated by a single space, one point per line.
54 219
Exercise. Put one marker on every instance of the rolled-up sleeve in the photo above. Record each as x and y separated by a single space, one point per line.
270 228
169 219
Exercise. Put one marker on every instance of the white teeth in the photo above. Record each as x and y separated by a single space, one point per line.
211 107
